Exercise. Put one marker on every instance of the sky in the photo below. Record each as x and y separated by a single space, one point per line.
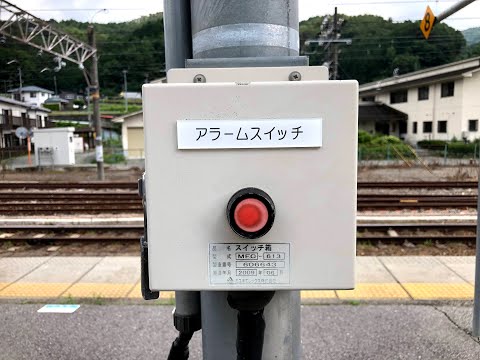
123 10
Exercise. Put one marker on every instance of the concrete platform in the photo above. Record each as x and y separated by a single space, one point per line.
406 278
343 332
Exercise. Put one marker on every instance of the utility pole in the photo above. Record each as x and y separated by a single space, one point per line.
20 81
330 38
125 89
55 84
335 46
96 106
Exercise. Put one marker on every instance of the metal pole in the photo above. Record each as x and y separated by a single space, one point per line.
96 107
445 152
55 84
452 10
125 89
21 82
178 36
248 28
476 299
238 29
335 46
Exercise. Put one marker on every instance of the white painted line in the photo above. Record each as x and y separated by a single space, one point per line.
425 218
70 220
59 309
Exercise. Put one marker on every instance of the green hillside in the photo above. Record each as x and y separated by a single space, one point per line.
379 47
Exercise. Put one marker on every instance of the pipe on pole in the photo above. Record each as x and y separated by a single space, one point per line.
177 33
452 10
248 28
240 29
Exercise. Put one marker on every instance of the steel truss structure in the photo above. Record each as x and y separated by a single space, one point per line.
27 28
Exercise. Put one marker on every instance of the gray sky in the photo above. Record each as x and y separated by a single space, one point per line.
122 10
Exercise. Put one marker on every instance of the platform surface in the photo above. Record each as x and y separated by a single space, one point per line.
343 332
403 278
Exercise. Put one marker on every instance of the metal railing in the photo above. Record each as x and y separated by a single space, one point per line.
11 152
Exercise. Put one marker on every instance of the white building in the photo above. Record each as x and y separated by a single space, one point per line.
132 135
14 114
440 103
31 95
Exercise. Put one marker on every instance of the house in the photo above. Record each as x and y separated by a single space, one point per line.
438 103
31 94
56 103
70 96
132 135
14 114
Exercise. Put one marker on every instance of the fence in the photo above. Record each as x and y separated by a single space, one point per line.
446 154
12 152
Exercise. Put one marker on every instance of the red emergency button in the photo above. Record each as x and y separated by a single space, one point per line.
251 212
251 215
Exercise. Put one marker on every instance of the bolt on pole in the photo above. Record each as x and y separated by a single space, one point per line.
96 107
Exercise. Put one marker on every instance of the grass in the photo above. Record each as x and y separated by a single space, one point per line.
7 244
109 109
428 243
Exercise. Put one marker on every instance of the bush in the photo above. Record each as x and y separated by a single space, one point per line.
432 144
381 147
113 158
456 149
112 143
79 102
364 137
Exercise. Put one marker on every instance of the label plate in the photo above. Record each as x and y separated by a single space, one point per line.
259 264
249 134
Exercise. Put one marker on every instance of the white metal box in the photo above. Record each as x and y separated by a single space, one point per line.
54 146
312 182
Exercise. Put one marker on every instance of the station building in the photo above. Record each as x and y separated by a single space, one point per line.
437 103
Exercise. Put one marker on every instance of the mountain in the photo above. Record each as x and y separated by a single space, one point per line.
379 47
136 46
472 35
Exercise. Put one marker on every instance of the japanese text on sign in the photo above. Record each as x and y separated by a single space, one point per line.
249 264
242 134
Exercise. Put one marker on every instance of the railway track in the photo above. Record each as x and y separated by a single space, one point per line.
414 232
29 198
393 233
70 233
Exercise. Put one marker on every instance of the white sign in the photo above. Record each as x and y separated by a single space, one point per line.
249 264
99 153
246 134
59 308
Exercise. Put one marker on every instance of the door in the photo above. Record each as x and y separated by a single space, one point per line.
135 143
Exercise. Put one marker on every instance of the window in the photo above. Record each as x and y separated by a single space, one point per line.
472 125
368 98
400 96
33 95
423 93
448 89
427 127
442 127
415 127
